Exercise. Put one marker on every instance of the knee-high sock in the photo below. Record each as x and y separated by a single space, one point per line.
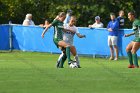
130 57
60 57
135 58
68 53
77 59
64 57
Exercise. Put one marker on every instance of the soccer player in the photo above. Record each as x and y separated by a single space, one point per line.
58 34
133 46
68 38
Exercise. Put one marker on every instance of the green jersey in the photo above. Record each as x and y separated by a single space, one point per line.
136 28
58 33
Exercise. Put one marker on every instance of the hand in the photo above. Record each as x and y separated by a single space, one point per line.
42 35
90 26
84 36
109 29
126 35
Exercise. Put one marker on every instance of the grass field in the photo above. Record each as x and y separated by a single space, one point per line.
31 72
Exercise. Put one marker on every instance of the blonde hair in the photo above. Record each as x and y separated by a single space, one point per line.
73 17
61 14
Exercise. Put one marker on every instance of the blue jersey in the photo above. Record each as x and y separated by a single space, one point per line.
121 21
114 25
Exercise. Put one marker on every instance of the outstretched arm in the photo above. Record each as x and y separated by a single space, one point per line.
127 35
80 36
45 30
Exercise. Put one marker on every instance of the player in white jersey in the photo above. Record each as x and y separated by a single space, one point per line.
68 37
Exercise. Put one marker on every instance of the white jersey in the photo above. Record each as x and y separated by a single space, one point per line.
100 25
28 21
68 36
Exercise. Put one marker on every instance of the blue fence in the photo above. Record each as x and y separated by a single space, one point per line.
28 38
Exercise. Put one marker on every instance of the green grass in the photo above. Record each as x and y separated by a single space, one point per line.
31 72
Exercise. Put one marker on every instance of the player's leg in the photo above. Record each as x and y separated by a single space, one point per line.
135 47
59 60
67 46
129 54
74 52
63 58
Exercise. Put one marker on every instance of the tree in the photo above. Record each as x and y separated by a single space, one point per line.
85 10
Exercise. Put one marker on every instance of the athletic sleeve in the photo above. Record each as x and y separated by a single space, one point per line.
54 22
76 29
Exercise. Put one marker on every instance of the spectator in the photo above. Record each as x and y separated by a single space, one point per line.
113 27
45 24
97 24
68 16
28 20
120 19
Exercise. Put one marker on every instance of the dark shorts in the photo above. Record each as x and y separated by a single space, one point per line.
56 40
137 39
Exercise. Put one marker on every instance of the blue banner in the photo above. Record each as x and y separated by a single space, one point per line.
28 38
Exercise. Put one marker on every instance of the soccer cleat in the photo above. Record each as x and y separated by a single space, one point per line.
70 62
79 66
131 66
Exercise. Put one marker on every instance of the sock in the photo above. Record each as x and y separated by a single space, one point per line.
62 61
77 60
135 58
68 53
60 57
130 57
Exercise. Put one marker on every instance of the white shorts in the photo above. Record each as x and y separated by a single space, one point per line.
112 40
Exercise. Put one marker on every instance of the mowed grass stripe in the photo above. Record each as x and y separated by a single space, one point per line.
32 72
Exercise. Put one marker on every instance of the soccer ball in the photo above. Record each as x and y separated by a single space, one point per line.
73 65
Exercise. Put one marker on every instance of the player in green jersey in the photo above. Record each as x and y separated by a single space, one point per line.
58 34
133 46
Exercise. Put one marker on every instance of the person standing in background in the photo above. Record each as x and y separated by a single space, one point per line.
113 28
120 19
97 24
46 23
28 20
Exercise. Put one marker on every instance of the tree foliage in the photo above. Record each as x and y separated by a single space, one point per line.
85 10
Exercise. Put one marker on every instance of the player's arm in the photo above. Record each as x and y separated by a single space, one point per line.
127 35
135 27
45 30
80 36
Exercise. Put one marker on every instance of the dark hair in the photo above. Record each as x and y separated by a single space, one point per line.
132 13
47 20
